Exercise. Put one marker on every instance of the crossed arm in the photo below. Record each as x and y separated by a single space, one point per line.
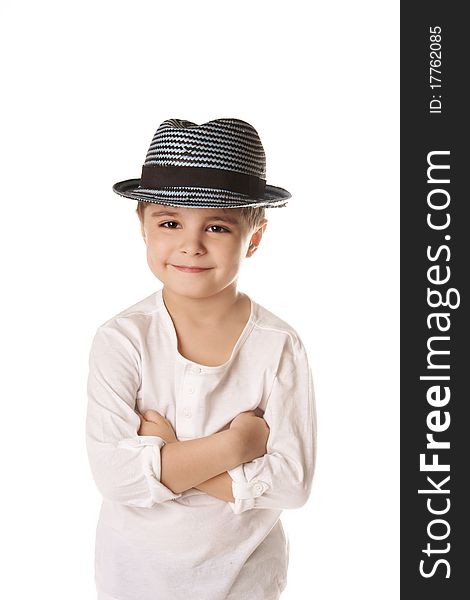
140 471
201 463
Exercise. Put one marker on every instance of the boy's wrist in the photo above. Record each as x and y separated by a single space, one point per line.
219 486
237 445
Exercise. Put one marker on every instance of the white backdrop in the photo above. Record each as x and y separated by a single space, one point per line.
85 85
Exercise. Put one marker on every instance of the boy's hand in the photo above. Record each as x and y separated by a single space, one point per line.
153 423
253 432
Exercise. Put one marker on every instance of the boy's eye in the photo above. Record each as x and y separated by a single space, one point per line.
219 227
167 223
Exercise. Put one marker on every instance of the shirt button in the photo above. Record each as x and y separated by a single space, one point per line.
190 389
258 488
187 412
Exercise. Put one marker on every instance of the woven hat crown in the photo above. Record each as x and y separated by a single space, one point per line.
229 144
220 163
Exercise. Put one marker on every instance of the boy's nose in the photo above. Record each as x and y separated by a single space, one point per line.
192 244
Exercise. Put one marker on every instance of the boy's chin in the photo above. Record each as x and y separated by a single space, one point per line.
190 290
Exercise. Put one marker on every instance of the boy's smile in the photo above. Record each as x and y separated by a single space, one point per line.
190 269
196 252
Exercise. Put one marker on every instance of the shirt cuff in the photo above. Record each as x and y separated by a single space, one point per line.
152 466
245 492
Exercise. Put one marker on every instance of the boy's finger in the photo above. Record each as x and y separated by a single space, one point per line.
152 415
144 429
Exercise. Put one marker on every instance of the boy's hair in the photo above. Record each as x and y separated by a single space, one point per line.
252 216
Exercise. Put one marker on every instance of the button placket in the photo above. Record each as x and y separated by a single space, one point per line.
188 399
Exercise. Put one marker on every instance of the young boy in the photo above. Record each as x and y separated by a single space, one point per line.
201 421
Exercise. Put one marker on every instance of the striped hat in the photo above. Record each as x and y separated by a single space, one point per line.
219 164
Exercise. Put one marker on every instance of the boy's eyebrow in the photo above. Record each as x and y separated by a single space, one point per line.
173 213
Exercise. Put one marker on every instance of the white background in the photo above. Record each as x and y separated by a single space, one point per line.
85 86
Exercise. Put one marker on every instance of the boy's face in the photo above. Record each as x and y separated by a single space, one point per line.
212 239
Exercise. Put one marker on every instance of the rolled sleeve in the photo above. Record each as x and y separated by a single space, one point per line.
282 478
126 467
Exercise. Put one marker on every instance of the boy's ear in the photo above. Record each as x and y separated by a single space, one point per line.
255 239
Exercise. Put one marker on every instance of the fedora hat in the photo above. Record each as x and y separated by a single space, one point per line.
219 164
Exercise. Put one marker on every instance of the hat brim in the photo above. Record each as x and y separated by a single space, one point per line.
200 197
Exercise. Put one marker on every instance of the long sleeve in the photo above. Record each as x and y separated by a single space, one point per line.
282 478
126 467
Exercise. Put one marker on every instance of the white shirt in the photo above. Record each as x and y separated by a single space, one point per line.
153 544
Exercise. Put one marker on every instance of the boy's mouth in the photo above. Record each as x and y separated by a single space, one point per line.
187 269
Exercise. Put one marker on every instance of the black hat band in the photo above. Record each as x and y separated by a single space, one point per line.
158 176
